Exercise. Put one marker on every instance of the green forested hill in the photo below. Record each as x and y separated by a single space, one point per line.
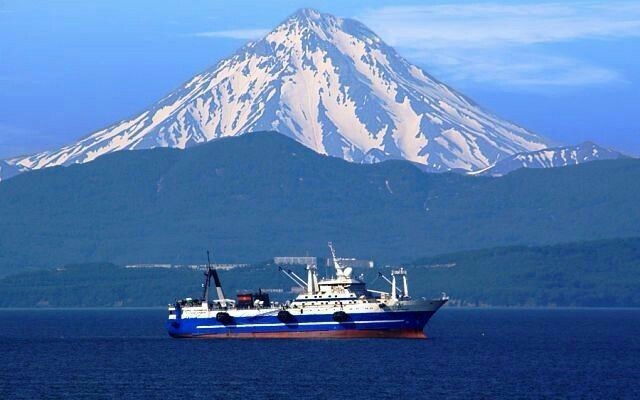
259 195
590 274
586 274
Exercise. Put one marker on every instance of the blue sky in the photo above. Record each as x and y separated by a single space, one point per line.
567 70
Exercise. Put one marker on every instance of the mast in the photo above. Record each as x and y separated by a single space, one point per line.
336 264
393 286
381 275
207 280
404 293
312 279
212 273
405 287
216 280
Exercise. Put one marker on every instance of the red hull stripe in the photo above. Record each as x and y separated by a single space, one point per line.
369 333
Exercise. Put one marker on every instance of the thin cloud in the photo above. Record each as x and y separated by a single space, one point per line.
244 34
510 67
494 41
495 24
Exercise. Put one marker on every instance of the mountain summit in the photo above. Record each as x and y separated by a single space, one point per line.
329 83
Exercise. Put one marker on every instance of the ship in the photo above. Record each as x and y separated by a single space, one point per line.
339 306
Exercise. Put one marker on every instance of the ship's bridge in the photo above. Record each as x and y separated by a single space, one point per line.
342 285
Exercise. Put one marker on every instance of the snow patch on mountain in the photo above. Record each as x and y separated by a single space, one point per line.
552 158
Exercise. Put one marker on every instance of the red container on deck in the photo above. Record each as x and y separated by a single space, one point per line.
244 300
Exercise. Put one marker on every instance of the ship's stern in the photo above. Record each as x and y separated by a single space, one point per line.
173 321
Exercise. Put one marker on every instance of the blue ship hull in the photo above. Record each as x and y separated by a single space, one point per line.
405 324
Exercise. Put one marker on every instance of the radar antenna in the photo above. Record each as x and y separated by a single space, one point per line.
340 272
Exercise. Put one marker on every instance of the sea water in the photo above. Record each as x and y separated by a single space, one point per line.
470 353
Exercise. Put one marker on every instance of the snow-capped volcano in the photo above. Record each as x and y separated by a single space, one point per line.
332 85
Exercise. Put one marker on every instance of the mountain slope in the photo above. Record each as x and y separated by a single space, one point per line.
7 170
259 195
330 84
552 158
600 273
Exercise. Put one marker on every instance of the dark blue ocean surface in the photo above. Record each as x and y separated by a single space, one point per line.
526 354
